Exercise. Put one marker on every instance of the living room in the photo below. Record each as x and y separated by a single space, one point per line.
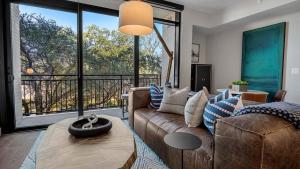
149 84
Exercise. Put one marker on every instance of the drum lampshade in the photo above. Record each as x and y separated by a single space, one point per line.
136 18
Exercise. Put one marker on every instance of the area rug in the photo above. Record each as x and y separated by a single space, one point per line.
146 158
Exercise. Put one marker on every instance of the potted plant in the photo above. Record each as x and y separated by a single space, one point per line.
240 86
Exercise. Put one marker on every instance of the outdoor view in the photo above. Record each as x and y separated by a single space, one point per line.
48 48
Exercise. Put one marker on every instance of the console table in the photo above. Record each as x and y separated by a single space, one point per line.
248 91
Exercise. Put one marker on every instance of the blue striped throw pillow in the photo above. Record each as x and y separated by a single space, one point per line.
224 108
156 96
222 96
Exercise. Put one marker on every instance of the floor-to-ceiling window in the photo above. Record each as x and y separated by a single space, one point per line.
44 49
58 47
108 61
153 59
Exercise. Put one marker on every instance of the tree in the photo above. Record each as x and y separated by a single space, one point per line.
52 50
107 52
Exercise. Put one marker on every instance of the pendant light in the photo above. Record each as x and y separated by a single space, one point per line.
136 18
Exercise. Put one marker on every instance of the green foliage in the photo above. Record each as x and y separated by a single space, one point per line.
52 50
240 82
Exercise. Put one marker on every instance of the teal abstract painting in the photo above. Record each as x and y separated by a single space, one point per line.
263 58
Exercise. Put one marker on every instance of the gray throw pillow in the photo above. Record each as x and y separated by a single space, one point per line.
174 100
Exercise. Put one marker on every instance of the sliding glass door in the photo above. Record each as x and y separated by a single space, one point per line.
69 58
44 49
108 62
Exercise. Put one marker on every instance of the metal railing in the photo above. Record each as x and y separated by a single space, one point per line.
45 94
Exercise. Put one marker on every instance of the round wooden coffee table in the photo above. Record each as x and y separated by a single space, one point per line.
60 150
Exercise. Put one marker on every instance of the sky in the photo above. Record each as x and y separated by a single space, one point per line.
69 19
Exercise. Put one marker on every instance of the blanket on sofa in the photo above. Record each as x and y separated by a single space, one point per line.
287 111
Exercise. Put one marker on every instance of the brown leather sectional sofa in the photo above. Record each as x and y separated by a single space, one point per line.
252 141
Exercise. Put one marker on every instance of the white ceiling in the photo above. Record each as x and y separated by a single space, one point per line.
209 6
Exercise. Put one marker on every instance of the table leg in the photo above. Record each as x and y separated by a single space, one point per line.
122 106
181 159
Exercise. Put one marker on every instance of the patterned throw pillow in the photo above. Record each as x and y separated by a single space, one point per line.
194 108
222 96
224 108
156 96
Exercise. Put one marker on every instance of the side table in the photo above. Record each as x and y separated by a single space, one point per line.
182 141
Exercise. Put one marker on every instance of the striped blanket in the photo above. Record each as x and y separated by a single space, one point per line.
287 111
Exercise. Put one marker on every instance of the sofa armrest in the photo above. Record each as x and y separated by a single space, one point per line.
137 98
256 141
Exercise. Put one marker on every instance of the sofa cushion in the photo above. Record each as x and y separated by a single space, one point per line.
152 126
222 96
194 108
260 124
156 96
174 100
267 142
201 158
168 122
203 134
141 119
205 90
218 110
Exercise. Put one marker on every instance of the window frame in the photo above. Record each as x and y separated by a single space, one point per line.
77 8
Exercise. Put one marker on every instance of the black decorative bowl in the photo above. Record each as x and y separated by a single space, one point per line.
101 126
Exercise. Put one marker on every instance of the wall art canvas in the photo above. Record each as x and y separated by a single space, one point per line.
195 53
263 58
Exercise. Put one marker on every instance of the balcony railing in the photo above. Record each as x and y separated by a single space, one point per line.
46 94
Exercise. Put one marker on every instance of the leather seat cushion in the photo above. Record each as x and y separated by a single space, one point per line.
261 124
152 126
168 122
201 158
141 118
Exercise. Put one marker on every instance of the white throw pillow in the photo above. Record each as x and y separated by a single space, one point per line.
194 109
205 90
174 100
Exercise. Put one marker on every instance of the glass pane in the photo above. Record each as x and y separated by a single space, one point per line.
45 59
108 61
153 57
164 14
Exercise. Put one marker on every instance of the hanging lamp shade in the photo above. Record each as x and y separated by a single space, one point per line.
135 18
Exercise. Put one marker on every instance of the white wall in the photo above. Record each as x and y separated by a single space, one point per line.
16 62
200 38
246 9
189 19
224 51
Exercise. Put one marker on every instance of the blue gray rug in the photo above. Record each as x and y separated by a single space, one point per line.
146 158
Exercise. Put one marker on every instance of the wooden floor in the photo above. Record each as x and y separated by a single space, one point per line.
14 148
